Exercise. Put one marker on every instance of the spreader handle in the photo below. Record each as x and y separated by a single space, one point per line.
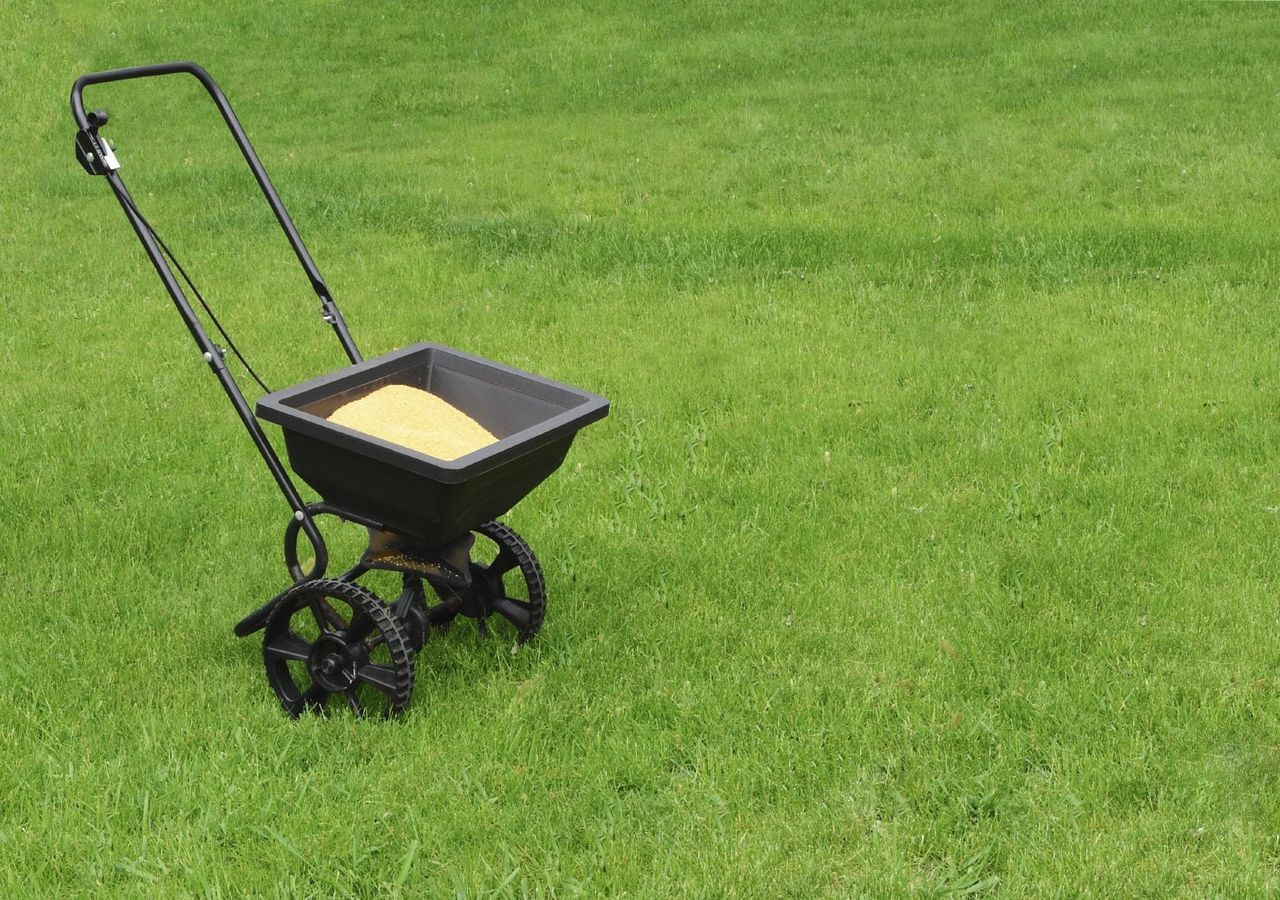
93 152
88 123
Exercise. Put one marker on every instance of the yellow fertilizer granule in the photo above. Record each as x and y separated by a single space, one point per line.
415 419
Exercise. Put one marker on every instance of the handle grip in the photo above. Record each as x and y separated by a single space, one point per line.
173 68
96 118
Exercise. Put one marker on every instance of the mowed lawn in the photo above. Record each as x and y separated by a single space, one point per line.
930 547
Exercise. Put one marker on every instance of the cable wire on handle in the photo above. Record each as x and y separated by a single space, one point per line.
231 345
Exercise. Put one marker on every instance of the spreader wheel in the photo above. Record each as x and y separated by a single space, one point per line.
506 580
328 638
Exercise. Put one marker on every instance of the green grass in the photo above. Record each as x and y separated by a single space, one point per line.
930 547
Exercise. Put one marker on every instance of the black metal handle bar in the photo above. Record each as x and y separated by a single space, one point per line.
96 156
329 308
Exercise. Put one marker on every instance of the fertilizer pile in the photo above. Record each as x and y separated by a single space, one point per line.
415 419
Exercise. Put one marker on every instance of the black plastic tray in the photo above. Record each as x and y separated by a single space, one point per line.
535 420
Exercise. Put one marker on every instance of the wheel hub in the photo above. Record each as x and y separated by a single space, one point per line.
333 664
478 602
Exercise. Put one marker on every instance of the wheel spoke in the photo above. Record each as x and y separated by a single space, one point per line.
382 677
327 618
287 646
505 562
361 625
517 612
314 699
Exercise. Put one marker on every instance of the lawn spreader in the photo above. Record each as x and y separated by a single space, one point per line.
433 522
